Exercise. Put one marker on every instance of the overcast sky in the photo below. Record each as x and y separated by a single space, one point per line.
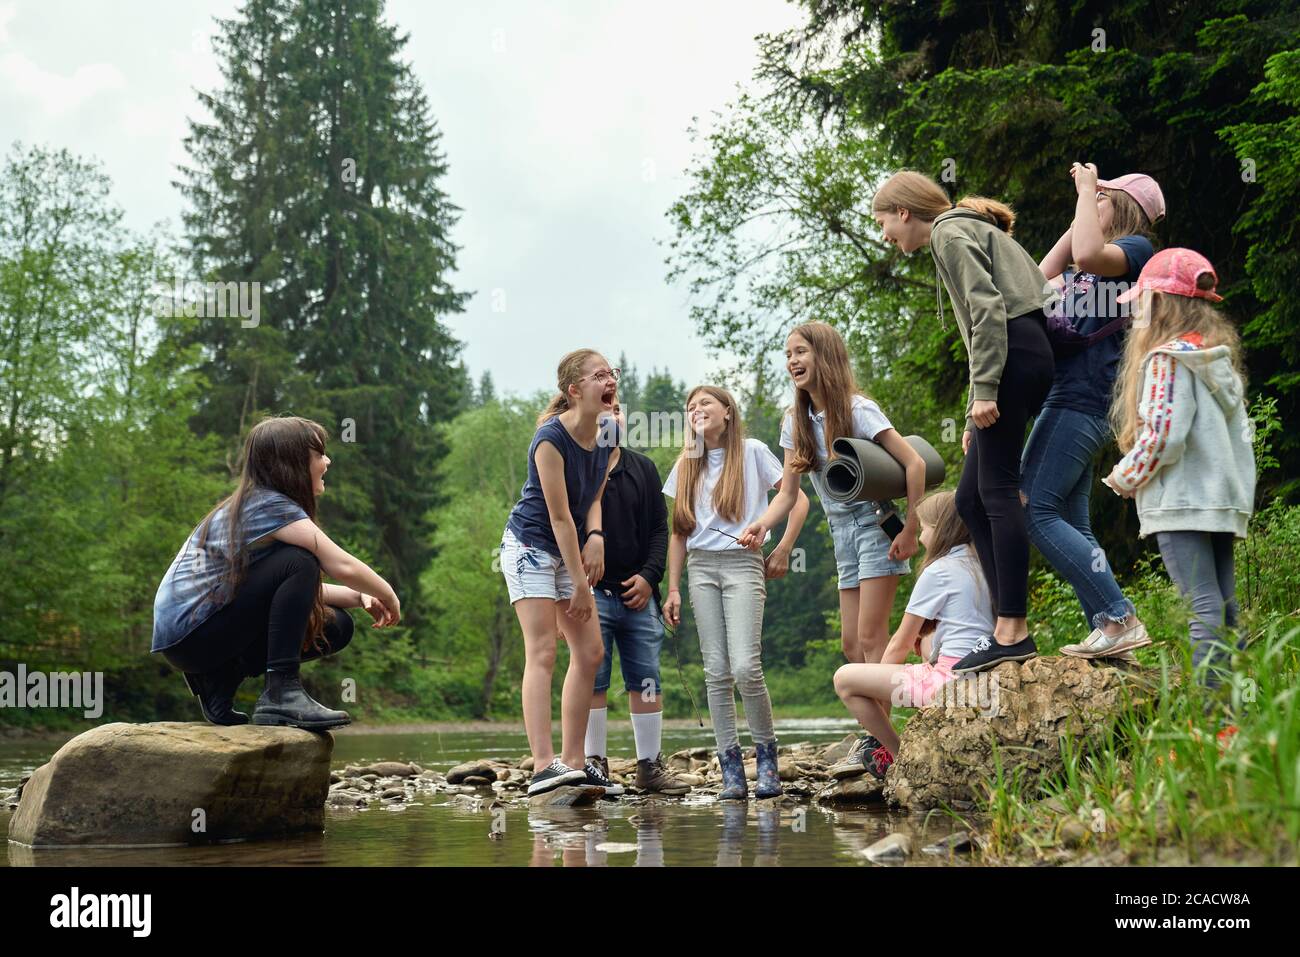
564 124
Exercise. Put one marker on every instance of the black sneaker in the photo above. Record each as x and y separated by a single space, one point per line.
988 653
554 775
598 777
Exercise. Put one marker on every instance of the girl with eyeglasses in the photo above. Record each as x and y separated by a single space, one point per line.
546 568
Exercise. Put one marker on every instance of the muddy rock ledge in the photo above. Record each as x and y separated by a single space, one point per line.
945 755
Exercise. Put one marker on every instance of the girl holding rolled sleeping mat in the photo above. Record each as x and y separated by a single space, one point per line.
948 612
998 294
719 485
545 566
827 406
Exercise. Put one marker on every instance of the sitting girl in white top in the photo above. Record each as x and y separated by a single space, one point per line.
949 612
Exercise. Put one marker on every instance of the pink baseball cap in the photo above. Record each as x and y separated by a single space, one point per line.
1174 271
1144 190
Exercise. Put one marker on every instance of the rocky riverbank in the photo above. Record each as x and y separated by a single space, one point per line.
803 767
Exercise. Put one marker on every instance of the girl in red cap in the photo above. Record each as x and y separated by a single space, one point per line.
1180 418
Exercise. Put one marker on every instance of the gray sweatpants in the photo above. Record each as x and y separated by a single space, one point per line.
728 592
1200 563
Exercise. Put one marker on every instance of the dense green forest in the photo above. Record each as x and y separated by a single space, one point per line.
317 176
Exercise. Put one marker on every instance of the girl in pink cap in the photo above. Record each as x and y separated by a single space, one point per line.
1180 418
1096 259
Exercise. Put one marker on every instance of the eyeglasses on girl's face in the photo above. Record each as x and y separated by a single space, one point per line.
603 375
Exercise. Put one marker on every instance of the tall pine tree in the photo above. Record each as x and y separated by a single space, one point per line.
317 176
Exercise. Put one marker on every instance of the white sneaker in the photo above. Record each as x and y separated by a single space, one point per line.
1101 645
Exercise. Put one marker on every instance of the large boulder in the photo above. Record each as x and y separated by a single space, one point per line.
176 783
946 752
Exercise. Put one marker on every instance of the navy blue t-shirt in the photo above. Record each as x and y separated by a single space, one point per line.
583 472
1083 381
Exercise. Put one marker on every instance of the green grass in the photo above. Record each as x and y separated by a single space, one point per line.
1160 778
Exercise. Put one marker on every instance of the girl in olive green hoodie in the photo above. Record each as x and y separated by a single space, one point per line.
998 294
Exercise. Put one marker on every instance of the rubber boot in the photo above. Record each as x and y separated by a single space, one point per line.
734 787
216 693
284 703
769 779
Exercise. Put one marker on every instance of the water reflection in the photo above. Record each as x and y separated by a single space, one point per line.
487 829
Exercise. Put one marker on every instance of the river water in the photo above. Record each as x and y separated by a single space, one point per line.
442 831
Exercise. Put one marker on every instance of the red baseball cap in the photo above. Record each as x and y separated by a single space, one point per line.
1144 190
1174 271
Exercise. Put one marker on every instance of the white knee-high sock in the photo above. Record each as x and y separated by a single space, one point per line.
597 732
648 731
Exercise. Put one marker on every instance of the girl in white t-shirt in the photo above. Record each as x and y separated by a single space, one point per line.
949 611
724 479
828 406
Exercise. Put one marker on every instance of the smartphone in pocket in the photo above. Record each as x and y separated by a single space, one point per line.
890 522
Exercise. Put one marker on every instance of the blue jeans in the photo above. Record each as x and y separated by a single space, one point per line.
639 636
1056 478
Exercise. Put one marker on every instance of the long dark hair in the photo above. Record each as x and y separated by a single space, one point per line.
277 457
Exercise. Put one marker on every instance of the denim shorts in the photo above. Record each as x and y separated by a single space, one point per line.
533 572
862 549
639 636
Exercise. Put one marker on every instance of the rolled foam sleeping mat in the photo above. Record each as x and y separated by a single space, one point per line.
865 471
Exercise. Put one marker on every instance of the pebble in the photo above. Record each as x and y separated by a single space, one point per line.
890 849
956 842
615 847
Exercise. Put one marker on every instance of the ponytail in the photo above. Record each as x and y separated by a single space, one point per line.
1000 214
557 405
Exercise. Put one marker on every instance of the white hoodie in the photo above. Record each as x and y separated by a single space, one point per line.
1193 465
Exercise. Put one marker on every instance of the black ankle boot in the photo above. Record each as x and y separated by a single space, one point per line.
284 703
216 693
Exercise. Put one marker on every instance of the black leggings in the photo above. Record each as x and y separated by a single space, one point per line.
264 625
988 494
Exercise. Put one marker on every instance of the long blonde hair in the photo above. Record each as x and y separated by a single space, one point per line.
729 493
1126 218
939 511
833 378
1171 316
925 199
569 372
